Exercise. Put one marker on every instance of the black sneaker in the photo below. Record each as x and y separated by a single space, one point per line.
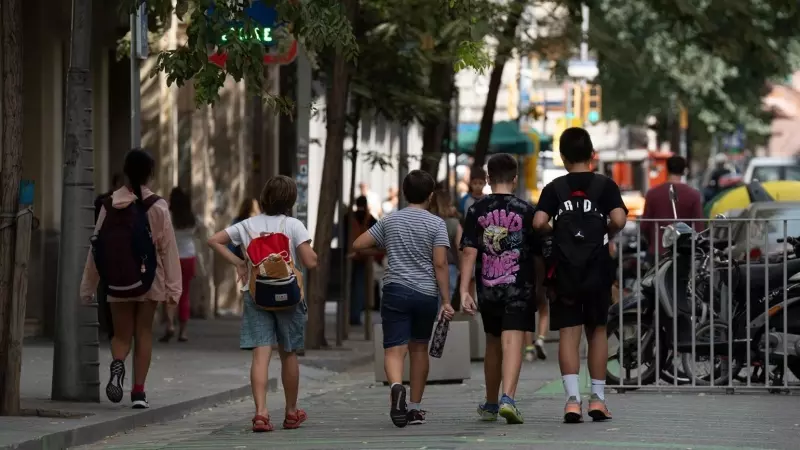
399 410
115 379
139 400
416 417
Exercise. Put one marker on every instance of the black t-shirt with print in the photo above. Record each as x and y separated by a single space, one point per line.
609 200
500 227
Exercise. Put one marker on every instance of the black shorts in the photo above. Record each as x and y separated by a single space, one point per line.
588 310
508 315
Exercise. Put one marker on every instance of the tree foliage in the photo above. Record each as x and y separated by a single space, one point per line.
714 56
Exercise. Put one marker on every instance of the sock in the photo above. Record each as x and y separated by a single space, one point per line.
415 406
540 338
137 388
598 388
571 388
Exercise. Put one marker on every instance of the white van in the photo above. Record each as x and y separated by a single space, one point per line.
769 168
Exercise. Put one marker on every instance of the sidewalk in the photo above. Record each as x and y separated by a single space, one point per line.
350 412
207 370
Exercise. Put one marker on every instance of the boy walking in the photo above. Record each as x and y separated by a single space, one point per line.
499 242
416 277
587 210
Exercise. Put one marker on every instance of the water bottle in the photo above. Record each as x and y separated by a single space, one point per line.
439 338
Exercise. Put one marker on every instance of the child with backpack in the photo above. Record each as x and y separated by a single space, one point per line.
135 257
587 210
416 245
499 242
274 305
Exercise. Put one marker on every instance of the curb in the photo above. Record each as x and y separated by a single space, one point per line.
88 434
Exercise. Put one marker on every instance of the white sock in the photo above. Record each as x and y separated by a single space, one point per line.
415 406
598 388
571 387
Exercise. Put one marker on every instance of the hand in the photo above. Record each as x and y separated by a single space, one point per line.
547 247
447 312
241 272
468 304
86 301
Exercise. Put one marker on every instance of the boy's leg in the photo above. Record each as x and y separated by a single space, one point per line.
492 364
567 317
598 356
544 319
259 369
423 317
291 338
519 318
396 325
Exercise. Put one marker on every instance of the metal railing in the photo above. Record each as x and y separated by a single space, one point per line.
718 310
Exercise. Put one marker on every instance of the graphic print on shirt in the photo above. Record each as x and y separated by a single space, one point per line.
501 230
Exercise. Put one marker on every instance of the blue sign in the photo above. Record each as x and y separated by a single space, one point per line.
266 17
26 192
593 116
469 127
524 100
735 139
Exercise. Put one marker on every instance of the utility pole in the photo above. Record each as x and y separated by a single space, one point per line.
584 56
139 50
75 357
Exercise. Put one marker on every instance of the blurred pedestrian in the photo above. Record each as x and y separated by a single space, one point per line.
247 208
441 205
136 257
477 183
359 221
185 224
282 241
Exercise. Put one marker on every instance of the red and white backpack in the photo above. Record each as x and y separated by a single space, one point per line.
275 283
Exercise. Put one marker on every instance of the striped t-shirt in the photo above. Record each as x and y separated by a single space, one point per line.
409 235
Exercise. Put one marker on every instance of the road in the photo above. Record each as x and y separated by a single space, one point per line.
350 411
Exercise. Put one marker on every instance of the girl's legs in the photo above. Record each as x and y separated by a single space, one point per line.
187 274
123 315
169 324
258 378
145 310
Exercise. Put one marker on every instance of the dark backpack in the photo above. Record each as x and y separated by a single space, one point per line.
580 238
124 251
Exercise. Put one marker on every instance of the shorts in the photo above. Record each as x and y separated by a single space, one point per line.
589 310
260 328
407 315
508 315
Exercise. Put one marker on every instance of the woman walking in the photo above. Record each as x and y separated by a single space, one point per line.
135 255
442 206
185 224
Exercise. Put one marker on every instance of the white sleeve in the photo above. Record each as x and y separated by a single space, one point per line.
297 232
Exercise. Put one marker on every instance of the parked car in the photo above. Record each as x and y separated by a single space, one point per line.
764 230
772 169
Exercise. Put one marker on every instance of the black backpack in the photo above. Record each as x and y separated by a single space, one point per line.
124 251
580 237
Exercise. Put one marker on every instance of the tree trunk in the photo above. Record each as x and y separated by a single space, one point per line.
355 121
75 357
504 50
336 108
435 128
10 172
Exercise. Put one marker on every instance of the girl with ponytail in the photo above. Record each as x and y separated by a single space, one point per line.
138 225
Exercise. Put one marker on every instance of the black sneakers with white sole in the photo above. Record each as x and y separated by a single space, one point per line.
139 400
399 409
115 379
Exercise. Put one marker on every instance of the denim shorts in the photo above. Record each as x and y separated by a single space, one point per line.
260 328
407 315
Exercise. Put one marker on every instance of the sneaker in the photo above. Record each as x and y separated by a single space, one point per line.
115 379
488 413
509 411
598 410
139 400
572 411
539 345
530 353
416 417
398 411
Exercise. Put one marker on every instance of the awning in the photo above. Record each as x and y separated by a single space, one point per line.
506 138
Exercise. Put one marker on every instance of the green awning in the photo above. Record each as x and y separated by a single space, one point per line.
506 138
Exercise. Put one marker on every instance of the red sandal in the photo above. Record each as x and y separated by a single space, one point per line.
263 427
293 421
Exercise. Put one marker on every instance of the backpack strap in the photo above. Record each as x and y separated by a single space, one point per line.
563 191
596 187
282 227
150 201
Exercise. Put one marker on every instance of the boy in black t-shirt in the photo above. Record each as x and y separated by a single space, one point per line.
587 210
499 242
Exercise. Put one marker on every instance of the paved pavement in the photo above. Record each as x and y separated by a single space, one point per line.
349 411
184 377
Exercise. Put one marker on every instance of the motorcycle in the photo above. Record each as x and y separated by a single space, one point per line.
661 313
752 336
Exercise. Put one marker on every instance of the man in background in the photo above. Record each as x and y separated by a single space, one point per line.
657 205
